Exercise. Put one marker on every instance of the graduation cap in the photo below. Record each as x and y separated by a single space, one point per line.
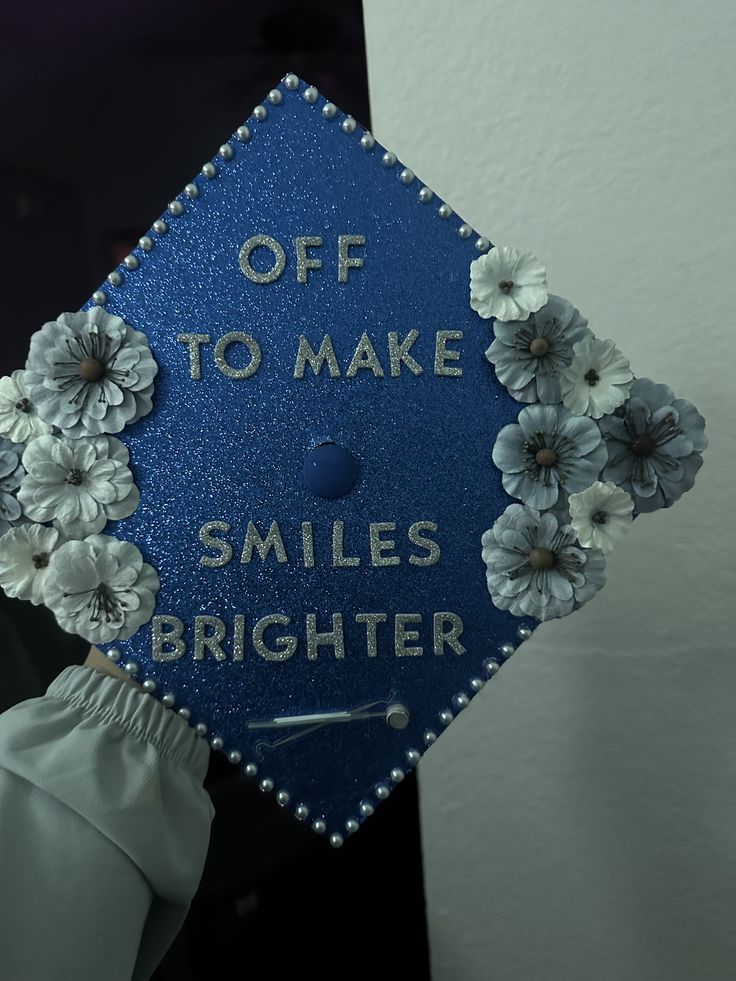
317 458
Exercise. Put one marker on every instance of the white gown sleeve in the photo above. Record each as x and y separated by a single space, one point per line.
104 830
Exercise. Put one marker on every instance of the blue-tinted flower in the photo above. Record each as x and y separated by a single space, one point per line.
536 568
90 373
530 355
508 284
654 444
550 453
11 476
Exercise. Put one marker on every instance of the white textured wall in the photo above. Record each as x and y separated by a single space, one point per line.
580 817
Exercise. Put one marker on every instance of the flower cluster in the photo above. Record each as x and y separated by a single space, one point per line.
63 478
593 447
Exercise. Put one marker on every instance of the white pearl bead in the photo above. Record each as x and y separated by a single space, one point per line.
348 125
406 176
336 840
266 784
146 243
382 791
149 685
507 649
311 94
184 713
329 110
444 211
465 231
413 756
282 796
397 775
131 262
131 667
525 632
302 812
426 194
446 717
209 171
388 159
114 279
291 81
430 737
176 208
461 700
226 151
217 742
200 729
191 191
367 141
490 666
251 769
476 683
482 244
168 700
235 756
243 134
366 808
319 826
99 297
260 112
114 654
351 825
160 226
275 97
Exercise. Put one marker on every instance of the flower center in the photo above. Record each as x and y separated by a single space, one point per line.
41 560
539 347
75 477
541 558
600 517
91 370
506 285
546 457
643 445
592 377
23 405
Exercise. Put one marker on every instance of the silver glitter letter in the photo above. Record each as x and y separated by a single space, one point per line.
378 545
308 543
268 243
326 353
335 636
287 644
339 560
400 352
371 620
237 337
441 638
365 357
195 360
441 354
401 634
416 539
239 638
303 262
273 540
209 642
210 541
171 637
344 260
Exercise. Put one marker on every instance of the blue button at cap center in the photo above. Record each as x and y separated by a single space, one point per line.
330 470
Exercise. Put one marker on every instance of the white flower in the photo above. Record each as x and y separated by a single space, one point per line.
601 515
598 380
100 589
507 284
80 484
25 553
19 421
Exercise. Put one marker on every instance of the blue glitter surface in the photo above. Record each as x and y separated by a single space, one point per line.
220 449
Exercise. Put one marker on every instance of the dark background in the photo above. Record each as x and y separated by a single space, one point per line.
92 95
